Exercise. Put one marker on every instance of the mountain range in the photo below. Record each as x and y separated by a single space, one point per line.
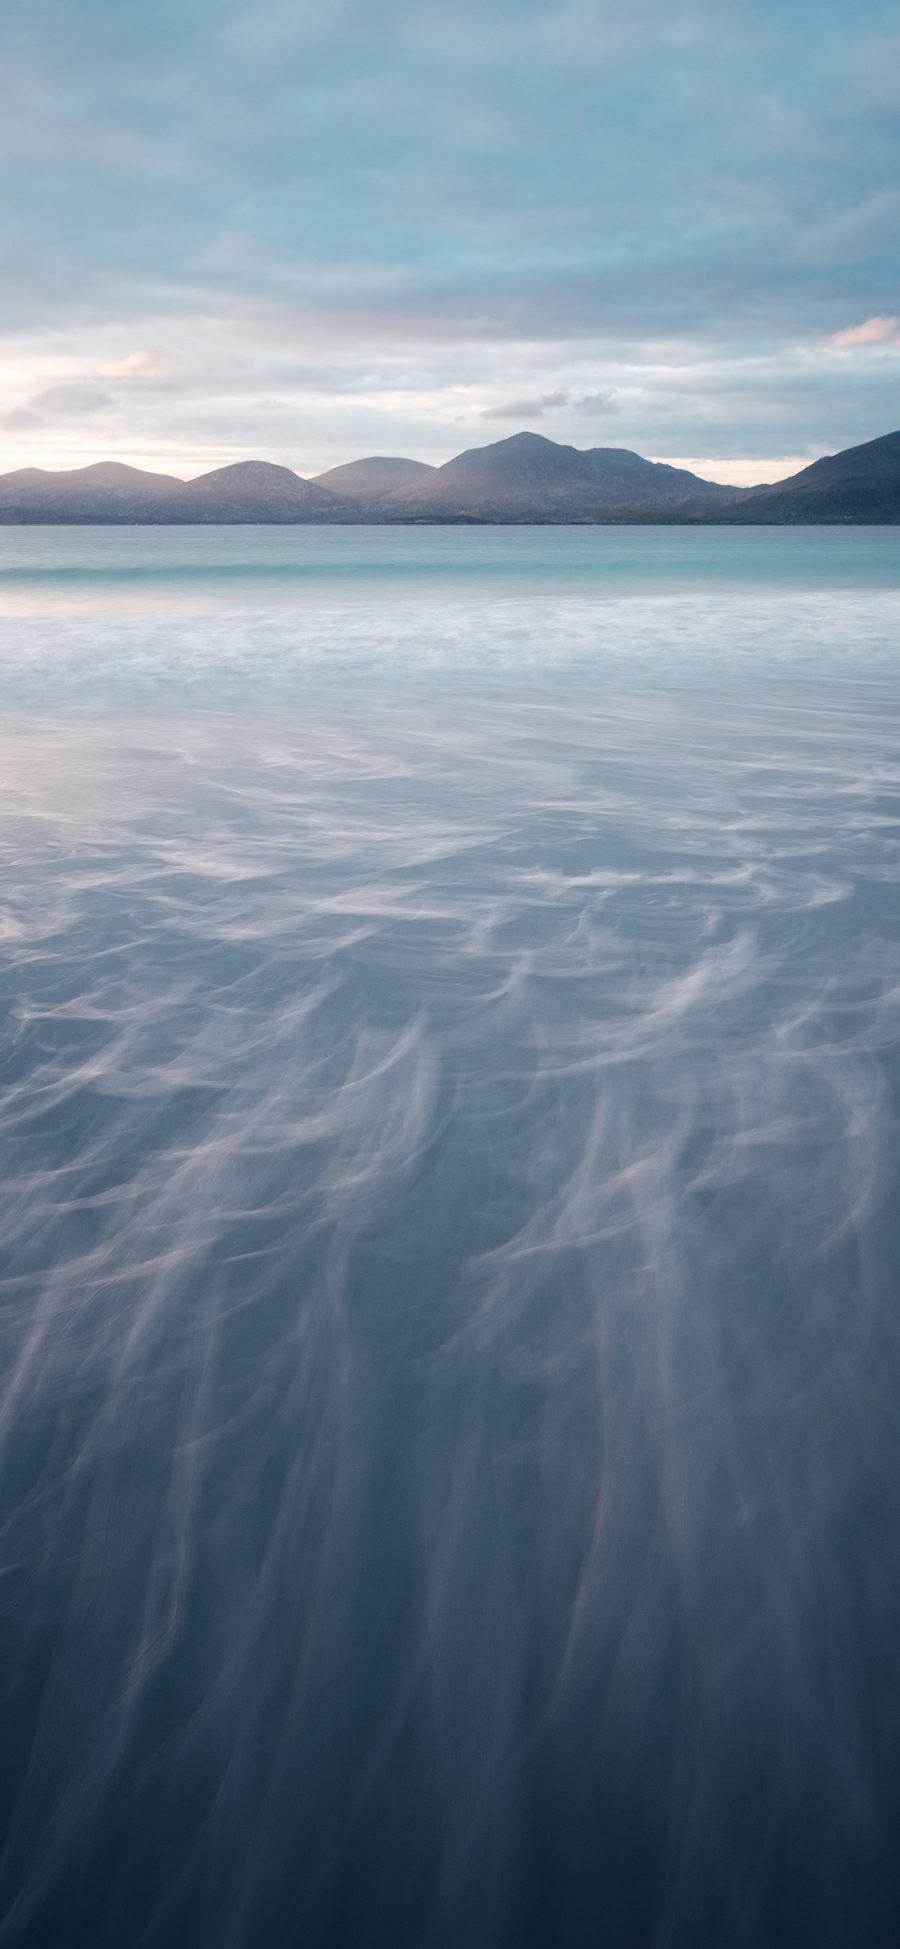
525 478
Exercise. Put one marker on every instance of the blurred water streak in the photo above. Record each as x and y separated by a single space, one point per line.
448 1212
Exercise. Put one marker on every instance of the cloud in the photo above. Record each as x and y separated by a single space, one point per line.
79 397
137 365
21 420
597 403
75 401
857 235
534 409
661 214
875 331
526 409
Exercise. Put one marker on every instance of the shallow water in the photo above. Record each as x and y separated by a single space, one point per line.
94 568
450 1444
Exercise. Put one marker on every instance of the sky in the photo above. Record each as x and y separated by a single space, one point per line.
307 230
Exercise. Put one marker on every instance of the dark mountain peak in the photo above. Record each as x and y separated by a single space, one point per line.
263 473
528 477
860 484
21 475
880 454
525 442
98 473
517 448
106 490
374 477
625 457
117 473
258 490
524 462
651 480
886 444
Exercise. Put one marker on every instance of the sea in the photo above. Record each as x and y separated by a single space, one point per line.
450 1238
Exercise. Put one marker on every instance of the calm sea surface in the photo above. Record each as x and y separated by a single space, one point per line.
450 1236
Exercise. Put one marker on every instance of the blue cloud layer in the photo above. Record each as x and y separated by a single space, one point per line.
431 211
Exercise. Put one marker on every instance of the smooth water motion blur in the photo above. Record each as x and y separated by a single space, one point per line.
450 1444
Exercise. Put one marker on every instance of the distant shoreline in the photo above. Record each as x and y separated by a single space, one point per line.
460 521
